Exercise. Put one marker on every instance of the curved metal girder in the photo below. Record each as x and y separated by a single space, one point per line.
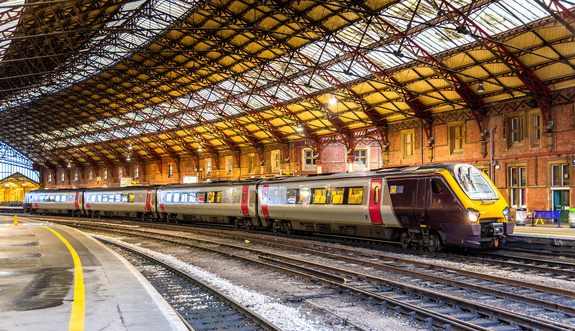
532 83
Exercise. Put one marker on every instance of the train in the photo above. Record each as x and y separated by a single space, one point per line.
430 206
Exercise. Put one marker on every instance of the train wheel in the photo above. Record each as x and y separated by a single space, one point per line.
286 227
404 240
277 227
434 244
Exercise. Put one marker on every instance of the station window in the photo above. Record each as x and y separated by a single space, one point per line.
170 171
408 143
62 177
91 176
360 157
535 129
517 186
229 165
208 165
120 173
275 158
76 176
516 131
456 138
251 163
105 174
310 160
560 174
49 178
137 173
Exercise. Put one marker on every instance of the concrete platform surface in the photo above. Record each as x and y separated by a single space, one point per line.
56 278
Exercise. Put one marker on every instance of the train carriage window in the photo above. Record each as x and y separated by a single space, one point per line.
292 196
193 198
41 198
304 195
218 198
118 197
99 198
125 197
201 197
176 197
184 198
319 195
336 196
104 198
436 187
355 196
131 197
58 198
169 197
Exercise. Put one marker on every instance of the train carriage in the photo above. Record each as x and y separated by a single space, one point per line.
231 202
134 202
64 202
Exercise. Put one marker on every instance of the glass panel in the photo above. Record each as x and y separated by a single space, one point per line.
355 196
304 195
336 196
292 196
319 195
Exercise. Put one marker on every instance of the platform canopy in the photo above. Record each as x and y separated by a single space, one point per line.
89 82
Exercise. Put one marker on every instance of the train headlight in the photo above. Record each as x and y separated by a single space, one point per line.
473 215
507 213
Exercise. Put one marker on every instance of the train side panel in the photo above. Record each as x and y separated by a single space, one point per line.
126 202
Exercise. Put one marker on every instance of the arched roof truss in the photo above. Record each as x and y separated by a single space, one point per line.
97 82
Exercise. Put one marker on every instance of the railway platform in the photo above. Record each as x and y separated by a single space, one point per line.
56 278
546 236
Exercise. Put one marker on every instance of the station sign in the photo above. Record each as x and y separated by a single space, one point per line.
189 179
287 172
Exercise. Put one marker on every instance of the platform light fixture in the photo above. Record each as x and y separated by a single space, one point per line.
332 100
480 88
299 127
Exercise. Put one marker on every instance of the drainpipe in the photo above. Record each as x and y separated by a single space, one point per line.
492 163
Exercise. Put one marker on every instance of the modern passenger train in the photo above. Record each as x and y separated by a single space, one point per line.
451 204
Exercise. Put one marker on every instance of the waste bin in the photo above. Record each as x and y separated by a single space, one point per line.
572 217
521 216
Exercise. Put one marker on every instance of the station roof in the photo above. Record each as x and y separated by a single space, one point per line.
98 82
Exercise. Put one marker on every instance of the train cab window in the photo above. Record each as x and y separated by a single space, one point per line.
201 197
319 195
336 196
355 196
176 197
131 197
184 198
218 197
304 195
436 187
292 196
169 197
193 198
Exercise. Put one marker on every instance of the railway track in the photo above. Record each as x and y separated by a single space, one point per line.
198 304
431 304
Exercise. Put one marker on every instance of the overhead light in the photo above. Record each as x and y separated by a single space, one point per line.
128 158
199 148
130 147
299 128
332 100
480 88
68 165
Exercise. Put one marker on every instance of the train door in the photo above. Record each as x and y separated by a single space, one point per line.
77 200
264 200
420 200
244 201
149 200
374 201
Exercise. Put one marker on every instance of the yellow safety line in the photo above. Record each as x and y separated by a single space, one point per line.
78 307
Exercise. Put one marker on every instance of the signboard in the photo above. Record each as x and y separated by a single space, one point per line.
287 172
125 181
190 179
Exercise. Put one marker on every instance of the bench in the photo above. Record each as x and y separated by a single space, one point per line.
540 215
